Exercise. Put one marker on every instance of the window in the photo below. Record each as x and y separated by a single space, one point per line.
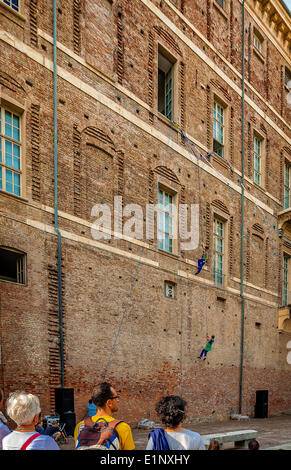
257 160
165 221
12 266
287 186
165 86
220 3
169 289
258 43
218 259
12 4
218 129
285 291
287 77
10 152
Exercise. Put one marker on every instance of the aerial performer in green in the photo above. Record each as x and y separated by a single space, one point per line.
207 348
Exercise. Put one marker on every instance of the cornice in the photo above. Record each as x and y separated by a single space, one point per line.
275 18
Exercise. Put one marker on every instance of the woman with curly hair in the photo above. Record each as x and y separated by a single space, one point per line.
171 411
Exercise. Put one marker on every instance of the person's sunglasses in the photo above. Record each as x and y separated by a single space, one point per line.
113 398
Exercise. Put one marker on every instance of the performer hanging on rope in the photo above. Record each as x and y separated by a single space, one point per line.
207 348
202 260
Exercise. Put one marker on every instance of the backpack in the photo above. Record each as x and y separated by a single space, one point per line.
99 435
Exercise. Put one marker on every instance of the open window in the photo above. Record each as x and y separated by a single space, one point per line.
12 266
166 84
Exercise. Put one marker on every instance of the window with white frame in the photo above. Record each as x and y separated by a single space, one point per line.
12 266
165 221
218 128
287 185
218 243
14 4
10 152
257 160
165 86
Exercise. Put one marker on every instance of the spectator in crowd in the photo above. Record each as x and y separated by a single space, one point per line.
106 400
171 411
24 409
92 410
254 444
214 445
54 431
4 430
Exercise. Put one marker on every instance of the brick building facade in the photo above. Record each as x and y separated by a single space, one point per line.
127 73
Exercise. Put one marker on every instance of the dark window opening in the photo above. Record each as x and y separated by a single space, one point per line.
12 266
287 76
218 148
165 86
221 3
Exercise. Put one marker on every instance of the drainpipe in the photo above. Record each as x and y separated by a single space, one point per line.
60 299
242 211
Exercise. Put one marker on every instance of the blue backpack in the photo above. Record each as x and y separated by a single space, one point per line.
159 439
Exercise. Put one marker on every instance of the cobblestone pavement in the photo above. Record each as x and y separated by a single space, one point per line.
272 431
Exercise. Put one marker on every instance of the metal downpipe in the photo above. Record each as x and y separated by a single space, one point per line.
242 212
60 298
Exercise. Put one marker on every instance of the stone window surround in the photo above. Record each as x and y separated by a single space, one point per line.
15 106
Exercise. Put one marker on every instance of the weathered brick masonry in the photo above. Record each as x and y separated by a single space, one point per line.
113 141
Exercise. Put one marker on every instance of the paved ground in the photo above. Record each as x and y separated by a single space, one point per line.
273 432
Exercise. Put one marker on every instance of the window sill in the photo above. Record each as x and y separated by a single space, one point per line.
12 14
256 185
221 10
19 198
13 282
171 255
167 121
259 55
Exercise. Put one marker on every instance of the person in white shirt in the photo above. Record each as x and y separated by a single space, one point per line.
24 409
171 411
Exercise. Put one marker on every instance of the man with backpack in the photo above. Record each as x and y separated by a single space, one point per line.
102 431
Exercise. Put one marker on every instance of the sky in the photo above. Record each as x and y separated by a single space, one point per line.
288 3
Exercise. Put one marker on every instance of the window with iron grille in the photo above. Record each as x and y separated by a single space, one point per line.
10 152
14 4
165 86
12 266
165 221
218 258
257 160
218 129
